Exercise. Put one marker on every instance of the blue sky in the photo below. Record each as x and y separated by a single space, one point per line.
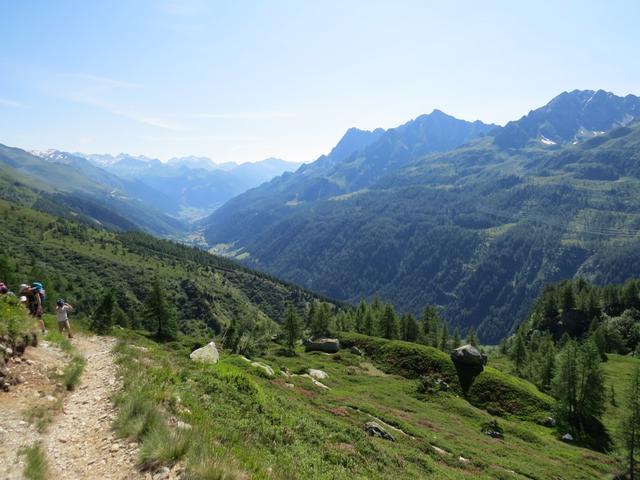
245 80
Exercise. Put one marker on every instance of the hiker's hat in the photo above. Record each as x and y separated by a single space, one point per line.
23 288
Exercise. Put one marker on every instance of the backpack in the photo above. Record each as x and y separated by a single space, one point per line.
38 287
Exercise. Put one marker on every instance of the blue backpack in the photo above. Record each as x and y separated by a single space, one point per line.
38 287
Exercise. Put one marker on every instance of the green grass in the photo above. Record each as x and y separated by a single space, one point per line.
73 372
506 395
36 466
245 425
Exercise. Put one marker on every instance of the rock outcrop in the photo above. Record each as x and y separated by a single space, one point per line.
468 355
207 354
376 430
327 345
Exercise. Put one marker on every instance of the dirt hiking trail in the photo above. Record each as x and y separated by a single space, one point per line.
79 443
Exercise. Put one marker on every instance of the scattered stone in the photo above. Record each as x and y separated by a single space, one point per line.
356 351
493 429
207 354
289 385
567 437
266 368
463 460
318 374
375 430
327 345
468 355
439 450
50 398
114 448
162 474
548 422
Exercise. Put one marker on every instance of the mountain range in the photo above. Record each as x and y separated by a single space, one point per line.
472 217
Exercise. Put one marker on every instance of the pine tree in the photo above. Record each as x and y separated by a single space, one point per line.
568 297
389 323
409 328
444 338
291 327
369 326
160 314
472 337
320 321
456 338
630 425
103 318
579 387
431 325
519 352
311 314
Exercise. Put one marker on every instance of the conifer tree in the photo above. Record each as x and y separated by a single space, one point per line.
444 337
291 327
160 314
630 425
409 328
320 321
389 323
311 314
456 338
369 324
579 387
103 318
472 337
519 352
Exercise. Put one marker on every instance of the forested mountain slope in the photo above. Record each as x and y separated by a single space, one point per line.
80 263
477 230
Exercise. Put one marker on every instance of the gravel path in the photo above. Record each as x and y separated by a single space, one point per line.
80 443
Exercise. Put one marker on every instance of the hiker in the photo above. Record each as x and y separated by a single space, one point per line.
3 289
62 309
35 296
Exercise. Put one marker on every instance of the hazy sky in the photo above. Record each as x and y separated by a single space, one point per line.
244 80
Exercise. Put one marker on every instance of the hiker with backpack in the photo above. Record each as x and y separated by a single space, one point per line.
3 289
62 309
35 302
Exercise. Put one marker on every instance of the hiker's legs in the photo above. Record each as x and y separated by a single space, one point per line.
61 327
67 327
41 325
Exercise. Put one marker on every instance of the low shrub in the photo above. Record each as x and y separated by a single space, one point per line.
505 395
410 360
72 372
36 466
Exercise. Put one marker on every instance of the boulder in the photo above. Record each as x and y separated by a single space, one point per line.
318 374
567 437
207 354
468 355
375 430
327 345
356 351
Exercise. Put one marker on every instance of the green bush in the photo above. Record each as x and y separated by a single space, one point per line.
506 395
410 360
13 319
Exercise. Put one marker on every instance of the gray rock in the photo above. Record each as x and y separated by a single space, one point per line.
549 422
327 345
207 354
162 474
318 374
567 437
356 351
375 430
468 355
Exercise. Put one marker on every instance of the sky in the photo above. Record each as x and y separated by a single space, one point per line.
245 80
